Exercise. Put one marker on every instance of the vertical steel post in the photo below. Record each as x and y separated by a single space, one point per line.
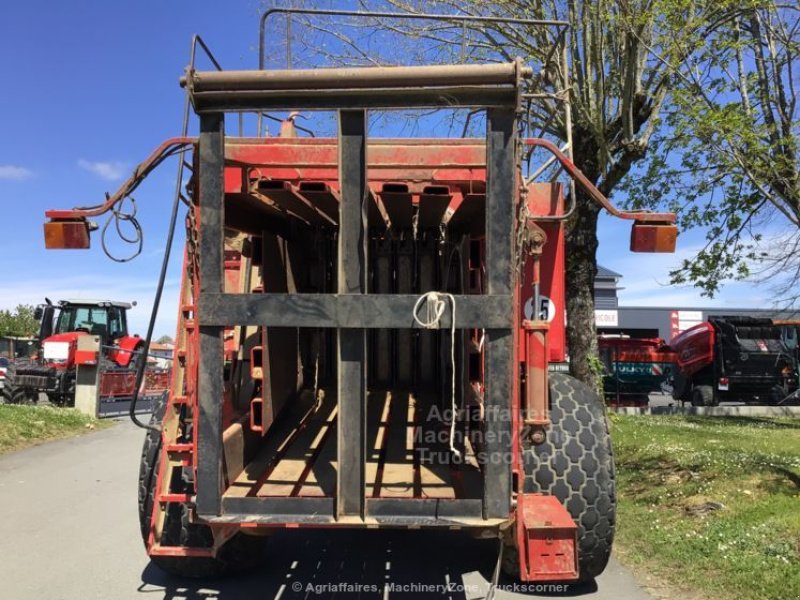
501 138
211 149
352 343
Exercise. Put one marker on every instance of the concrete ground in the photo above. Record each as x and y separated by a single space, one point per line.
69 531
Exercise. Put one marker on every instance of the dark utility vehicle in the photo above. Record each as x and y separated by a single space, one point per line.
739 359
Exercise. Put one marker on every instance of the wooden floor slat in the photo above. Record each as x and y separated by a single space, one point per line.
276 442
407 453
434 456
398 472
289 470
378 414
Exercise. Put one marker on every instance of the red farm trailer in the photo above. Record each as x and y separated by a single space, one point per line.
634 368
352 349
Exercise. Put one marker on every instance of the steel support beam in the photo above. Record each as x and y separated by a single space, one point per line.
352 88
352 343
343 311
501 178
210 378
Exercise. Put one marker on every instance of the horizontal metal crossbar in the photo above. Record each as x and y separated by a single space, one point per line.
358 87
399 512
389 98
342 311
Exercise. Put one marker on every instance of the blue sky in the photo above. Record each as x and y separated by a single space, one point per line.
90 88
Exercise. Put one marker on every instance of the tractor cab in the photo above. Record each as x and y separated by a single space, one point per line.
105 319
62 324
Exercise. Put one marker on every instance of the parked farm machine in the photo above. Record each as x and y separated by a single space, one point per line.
52 370
352 349
740 359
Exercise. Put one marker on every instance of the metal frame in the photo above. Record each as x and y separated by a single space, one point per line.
352 311
211 151
352 342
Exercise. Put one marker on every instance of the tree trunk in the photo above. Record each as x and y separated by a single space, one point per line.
581 259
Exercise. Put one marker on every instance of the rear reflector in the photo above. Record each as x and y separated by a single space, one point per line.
67 234
653 237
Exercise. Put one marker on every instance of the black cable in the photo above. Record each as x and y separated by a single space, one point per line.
118 216
154 314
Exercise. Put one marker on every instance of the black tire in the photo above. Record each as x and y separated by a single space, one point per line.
14 394
239 553
703 395
9 386
576 465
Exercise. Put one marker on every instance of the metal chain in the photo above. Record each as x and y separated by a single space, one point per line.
191 241
523 213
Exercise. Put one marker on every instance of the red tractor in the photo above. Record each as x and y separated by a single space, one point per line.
353 347
53 371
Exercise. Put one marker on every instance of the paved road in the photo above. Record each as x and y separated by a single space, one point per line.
68 530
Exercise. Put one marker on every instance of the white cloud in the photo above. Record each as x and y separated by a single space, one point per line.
110 170
142 290
14 173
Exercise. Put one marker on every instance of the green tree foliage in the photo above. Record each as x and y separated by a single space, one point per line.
726 158
19 322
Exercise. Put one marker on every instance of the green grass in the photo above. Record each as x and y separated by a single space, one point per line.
22 426
749 548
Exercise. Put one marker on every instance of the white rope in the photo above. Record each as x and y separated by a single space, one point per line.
435 310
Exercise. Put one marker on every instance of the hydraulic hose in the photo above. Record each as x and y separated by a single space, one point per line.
140 368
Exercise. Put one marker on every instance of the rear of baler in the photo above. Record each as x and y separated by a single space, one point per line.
365 328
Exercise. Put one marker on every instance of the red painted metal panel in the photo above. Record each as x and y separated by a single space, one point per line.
546 538
85 357
695 347
548 200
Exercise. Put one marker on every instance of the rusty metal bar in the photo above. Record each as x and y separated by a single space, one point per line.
501 160
352 343
596 195
356 78
166 149
211 281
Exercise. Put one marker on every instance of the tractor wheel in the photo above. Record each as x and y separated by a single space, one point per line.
14 394
703 395
9 389
238 553
576 465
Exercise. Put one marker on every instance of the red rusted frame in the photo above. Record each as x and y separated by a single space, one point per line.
590 188
142 170
454 160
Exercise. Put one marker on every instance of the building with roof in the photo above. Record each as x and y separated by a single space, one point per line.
656 321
